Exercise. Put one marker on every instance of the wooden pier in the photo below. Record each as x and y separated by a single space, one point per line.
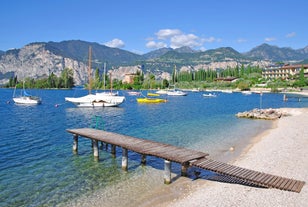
186 157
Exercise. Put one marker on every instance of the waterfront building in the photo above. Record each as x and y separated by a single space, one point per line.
284 72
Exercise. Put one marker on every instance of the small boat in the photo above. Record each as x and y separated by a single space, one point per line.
26 98
161 92
209 95
153 94
195 90
246 92
226 91
134 93
151 100
176 93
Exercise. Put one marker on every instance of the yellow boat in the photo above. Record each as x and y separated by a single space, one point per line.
153 94
151 100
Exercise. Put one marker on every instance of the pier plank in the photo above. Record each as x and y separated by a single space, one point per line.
193 157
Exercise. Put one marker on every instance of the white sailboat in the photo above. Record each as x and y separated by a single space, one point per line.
97 99
26 98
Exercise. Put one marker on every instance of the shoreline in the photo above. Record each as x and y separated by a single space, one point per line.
185 191
281 150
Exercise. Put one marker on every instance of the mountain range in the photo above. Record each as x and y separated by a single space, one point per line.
39 59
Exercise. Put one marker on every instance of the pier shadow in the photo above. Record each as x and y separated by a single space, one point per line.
197 173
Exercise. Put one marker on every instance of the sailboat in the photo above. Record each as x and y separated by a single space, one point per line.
26 98
98 99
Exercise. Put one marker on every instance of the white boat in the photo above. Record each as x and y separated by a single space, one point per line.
134 93
102 99
161 92
226 91
26 98
195 90
246 92
210 95
96 100
176 93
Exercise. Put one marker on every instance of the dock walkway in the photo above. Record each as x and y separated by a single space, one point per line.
186 157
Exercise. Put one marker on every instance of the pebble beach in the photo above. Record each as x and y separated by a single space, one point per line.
280 151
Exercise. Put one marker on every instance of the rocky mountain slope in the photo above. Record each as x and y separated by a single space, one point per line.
40 59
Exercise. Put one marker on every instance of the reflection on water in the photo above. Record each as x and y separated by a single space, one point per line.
83 117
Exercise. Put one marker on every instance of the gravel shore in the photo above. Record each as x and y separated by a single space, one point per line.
281 151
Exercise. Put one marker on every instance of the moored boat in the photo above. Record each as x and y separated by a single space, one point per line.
176 93
151 100
161 92
99 99
26 98
153 94
209 95
134 93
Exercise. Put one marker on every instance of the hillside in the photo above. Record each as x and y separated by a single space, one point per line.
40 59
274 53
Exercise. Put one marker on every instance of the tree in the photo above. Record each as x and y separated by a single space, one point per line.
301 82
67 78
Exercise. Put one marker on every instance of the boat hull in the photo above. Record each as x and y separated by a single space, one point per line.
97 100
27 100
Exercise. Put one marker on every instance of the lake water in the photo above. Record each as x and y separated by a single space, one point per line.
38 167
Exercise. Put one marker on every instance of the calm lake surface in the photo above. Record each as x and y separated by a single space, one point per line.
38 167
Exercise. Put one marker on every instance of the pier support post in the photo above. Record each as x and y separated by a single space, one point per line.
143 159
102 145
184 169
113 150
124 159
167 175
75 143
95 149
285 97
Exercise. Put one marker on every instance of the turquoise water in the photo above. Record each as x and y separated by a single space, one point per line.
38 168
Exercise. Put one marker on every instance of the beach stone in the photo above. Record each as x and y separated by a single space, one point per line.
266 114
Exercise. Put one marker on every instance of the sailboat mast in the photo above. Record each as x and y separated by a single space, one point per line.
104 75
110 82
89 70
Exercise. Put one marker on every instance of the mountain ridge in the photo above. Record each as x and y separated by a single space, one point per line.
39 59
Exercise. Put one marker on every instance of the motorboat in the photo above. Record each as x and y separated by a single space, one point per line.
209 95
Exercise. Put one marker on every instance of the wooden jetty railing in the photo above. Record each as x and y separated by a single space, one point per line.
186 157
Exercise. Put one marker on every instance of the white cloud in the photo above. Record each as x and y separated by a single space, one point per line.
175 38
167 33
290 35
270 39
155 45
115 43
189 40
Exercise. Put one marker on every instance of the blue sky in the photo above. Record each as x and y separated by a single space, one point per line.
141 26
